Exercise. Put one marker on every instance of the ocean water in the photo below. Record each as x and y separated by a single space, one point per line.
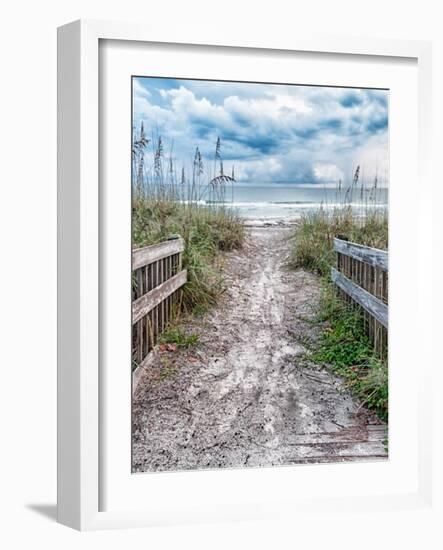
275 201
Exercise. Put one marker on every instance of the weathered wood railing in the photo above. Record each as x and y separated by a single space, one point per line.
157 277
362 277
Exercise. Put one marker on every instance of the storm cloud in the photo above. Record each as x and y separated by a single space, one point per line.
272 133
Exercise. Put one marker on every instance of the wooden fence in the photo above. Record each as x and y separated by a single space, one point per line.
362 277
157 277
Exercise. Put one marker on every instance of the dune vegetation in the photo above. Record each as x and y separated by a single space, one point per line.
315 232
343 345
168 202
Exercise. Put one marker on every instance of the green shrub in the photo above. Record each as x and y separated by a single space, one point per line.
176 335
345 348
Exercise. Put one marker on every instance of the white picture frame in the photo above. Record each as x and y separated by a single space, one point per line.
79 407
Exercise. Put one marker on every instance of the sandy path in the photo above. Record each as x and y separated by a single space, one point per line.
247 394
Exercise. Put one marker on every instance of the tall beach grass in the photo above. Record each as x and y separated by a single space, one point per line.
165 204
206 231
315 232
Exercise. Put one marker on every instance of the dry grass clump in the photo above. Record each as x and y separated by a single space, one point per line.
315 232
206 231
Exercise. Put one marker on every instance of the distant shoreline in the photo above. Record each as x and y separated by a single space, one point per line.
269 222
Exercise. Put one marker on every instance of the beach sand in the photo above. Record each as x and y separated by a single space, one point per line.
247 393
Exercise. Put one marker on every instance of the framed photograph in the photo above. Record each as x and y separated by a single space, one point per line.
239 228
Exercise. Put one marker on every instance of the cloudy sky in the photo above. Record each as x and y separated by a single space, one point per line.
272 133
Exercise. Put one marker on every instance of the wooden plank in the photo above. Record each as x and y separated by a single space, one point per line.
371 256
140 341
367 301
163 278
166 300
364 284
156 309
146 303
149 254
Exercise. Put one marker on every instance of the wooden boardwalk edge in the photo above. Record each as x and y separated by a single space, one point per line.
367 301
366 254
153 253
143 305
